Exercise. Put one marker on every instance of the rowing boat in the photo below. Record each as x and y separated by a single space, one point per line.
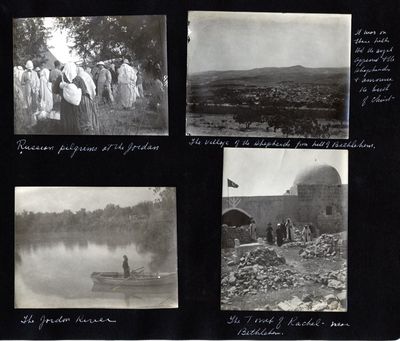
135 280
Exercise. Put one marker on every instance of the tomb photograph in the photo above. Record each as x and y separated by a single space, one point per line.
284 230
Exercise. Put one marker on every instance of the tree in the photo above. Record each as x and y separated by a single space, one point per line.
29 41
247 118
139 38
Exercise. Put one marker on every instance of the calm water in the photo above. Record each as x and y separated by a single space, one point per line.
54 272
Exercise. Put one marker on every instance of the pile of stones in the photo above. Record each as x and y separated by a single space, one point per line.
250 280
262 256
313 303
326 246
335 279
259 271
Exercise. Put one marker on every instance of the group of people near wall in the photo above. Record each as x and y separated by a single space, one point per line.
74 93
284 233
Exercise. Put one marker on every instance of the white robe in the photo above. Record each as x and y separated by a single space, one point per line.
46 94
127 83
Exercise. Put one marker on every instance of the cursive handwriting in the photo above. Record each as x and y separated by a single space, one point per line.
373 66
339 324
59 320
263 143
44 320
72 149
271 325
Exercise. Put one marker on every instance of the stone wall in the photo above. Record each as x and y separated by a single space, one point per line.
325 206
267 209
229 234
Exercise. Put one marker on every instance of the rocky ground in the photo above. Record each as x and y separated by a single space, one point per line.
302 277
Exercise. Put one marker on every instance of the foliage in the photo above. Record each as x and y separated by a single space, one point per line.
139 38
29 41
152 224
248 118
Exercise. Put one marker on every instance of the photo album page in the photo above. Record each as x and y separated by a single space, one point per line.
200 170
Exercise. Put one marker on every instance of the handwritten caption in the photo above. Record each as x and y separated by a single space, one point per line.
43 321
72 149
262 143
250 325
374 58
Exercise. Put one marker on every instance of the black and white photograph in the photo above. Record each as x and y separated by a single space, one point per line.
95 247
252 74
90 75
284 230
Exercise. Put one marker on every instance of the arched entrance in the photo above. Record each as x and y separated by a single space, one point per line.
235 217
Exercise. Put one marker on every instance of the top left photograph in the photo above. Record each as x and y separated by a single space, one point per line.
90 75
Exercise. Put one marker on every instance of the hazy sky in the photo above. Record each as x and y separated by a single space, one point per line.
58 199
272 171
240 41
59 43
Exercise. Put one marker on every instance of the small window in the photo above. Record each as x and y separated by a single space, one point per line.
328 210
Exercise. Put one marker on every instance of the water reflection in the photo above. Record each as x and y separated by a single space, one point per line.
53 271
161 296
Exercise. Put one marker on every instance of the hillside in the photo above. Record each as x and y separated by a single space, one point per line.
270 76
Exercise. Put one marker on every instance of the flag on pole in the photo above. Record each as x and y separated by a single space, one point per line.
232 184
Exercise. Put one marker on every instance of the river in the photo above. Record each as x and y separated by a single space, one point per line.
53 271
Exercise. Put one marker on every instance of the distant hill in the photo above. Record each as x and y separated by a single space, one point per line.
270 76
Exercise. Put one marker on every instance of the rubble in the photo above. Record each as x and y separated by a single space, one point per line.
335 279
259 271
295 244
262 256
326 245
328 303
255 279
262 271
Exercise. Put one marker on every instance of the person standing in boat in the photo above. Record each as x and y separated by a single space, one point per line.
125 266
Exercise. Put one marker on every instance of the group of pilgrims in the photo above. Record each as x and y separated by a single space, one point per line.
72 94
284 233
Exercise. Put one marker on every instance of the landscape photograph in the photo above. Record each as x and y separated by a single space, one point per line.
95 247
268 75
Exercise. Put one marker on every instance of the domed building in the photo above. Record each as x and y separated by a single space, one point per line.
316 196
317 175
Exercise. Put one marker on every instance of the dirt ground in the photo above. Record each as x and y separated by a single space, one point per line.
270 299
224 125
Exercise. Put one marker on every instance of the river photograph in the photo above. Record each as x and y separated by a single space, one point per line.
95 247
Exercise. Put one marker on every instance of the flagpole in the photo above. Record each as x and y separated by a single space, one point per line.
228 193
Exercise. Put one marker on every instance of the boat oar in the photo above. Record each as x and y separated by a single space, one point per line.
116 287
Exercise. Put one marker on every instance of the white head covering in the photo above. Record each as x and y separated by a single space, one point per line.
70 71
29 65
45 73
100 63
